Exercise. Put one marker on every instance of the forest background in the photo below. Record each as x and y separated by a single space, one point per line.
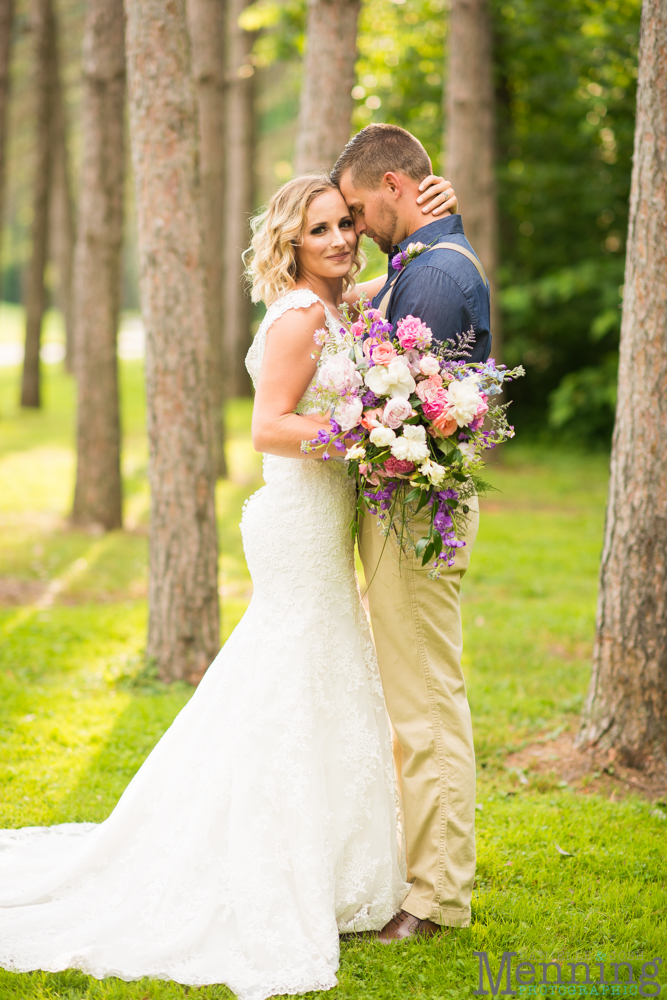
565 88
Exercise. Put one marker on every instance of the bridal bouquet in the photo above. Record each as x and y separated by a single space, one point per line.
413 421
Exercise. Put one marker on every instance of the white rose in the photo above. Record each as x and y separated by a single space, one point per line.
434 473
463 398
392 380
348 413
382 437
411 447
429 365
395 412
355 452
338 374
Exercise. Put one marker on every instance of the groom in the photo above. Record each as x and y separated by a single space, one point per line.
417 621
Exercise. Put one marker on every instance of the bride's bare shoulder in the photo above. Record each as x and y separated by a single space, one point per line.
298 318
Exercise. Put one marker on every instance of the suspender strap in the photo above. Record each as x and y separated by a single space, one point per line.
384 304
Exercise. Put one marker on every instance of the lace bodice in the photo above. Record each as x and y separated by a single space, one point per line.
338 339
265 821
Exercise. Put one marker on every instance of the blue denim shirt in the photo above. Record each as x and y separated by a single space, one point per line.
443 288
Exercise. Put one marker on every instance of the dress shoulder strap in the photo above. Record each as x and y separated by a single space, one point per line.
384 305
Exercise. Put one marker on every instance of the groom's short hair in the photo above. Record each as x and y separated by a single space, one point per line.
377 149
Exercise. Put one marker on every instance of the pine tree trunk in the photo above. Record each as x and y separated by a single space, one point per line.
207 19
469 137
6 22
328 78
239 198
627 699
42 24
62 208
183 594
98 490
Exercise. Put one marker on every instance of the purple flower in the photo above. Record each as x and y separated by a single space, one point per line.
399 261
339 445
335 426
370 399
323 437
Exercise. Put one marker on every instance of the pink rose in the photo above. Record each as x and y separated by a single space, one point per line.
429 389
429 365
398 466
384 353
358 329
395 412
411 332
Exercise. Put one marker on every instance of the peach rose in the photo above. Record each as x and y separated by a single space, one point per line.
371 418
384 353
445 425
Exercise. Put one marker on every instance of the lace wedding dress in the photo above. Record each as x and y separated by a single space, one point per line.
264 822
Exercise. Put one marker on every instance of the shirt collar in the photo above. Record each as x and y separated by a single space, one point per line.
430 233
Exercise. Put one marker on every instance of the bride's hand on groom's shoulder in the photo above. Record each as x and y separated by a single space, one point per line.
437 196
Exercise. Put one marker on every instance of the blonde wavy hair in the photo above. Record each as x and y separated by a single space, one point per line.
271 262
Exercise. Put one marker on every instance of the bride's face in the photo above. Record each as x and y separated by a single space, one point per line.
329 239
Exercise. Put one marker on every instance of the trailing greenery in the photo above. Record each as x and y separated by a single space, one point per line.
79 713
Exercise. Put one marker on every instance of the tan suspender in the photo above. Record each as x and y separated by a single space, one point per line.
384 305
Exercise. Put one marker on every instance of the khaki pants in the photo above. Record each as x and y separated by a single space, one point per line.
417 629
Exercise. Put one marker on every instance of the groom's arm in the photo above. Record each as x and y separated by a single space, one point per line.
438 300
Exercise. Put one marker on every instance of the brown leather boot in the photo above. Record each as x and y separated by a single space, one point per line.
404 926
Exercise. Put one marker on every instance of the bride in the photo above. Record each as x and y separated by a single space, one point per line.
264 823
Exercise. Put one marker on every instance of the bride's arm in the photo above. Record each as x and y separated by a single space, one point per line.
288 366
437 198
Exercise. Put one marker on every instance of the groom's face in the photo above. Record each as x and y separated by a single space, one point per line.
373 213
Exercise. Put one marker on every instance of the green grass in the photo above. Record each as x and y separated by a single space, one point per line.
77 717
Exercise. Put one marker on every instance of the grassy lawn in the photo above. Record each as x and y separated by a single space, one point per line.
77 718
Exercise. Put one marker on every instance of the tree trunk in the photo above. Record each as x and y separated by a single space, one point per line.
62 208
183 594
207 19
239 198
328 78
6 22
98 490
42 24
627 699
469 137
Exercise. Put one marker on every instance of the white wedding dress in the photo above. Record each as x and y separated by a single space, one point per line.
265 820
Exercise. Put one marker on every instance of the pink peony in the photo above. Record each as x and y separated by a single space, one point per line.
384 353
411 332
398 467
348 413
436 406
395 412
339 374
482 409
429 389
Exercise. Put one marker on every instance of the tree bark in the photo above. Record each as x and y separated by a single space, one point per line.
626 707
207 19
42 24
62 207
239 198
98 490
470 135
6 22
328 77
183 594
